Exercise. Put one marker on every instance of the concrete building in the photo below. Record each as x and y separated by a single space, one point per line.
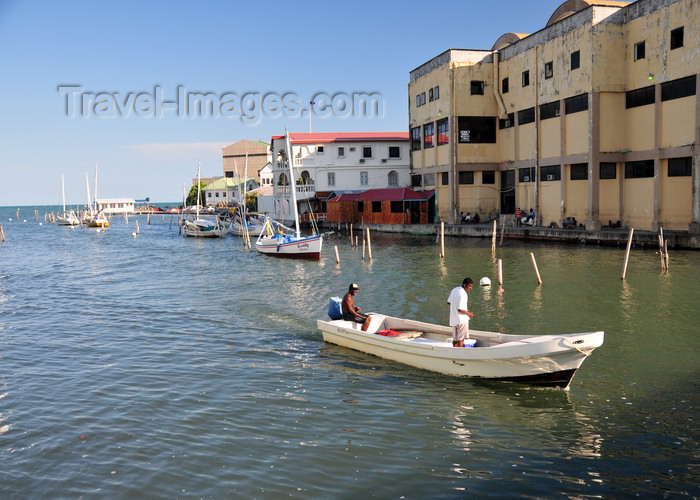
116 205
595 116
226 191
234 158
339 162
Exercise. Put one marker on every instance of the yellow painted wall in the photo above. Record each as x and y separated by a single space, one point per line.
506 150
613 120
477 153
442 198
576 196
639 203
610 199
550 203
678 122
576 133
639 136
526 141
550 138
675 200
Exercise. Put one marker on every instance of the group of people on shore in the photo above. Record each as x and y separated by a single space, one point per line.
524 218
469 219
458 302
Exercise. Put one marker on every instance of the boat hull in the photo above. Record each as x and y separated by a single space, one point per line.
291 247
546 360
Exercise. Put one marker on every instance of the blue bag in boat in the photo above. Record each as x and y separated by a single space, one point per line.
335 311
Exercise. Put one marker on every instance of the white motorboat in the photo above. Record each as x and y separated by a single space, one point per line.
544 360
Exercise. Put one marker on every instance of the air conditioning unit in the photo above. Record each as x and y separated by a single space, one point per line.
383 160
550 177
362 160
526 179
352 149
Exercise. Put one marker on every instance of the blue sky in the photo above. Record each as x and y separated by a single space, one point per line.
131 56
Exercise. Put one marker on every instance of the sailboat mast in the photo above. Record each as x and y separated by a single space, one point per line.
89 201
95 192
293 187
63 193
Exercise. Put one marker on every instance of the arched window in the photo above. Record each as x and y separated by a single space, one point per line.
393 178
283 180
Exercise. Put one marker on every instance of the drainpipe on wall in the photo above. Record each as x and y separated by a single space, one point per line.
496 87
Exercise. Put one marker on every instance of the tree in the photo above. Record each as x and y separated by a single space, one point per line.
192 196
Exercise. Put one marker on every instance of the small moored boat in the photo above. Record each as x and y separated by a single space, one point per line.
544 360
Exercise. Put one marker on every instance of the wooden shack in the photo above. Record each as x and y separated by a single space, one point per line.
383 206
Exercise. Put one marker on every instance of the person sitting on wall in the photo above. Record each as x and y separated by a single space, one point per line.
468 218
567 223
476 219
530 218
461 218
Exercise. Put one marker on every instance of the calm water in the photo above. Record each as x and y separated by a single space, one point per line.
170 367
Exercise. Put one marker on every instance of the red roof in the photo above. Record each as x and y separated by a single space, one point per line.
386 194
322 137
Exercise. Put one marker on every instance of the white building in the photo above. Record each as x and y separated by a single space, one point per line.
227 190
335 163
116 205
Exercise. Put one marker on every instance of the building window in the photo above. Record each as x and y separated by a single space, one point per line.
420 100
526 116
394 152
443 132
675 89
428 132
393 180
526 174
360 206
396 207
429 179
551 173
578 172
548 70
229 174
680 167
466 177
433 94
640 97
415 139
639 169
364 179
445 179
576 103
526 78
504 86
549 110
677 38
477 129
575 60
377 207
416 181
488 177
608 170
508 122
331 178
477 87
367 152
639 50
341 152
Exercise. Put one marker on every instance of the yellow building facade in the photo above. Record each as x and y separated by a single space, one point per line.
594 117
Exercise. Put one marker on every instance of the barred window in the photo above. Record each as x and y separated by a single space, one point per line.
576 103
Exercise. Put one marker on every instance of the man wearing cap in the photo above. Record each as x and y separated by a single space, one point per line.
350 311
459 312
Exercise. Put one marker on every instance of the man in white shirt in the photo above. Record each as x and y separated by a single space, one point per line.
459 312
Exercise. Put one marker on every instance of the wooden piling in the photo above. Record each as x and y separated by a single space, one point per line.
493 238
337 259
363 247
2 234
369 246
627 253
442 240
500 271
537 271
352 240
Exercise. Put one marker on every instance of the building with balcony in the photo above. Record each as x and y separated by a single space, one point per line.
328 164
595 116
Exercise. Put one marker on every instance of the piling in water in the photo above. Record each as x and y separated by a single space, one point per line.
627 253
537 271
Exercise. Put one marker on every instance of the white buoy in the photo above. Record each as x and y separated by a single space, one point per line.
485 281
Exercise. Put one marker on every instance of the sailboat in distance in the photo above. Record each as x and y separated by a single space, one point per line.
67 217
274 241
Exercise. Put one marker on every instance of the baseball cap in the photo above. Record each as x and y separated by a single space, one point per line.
354 286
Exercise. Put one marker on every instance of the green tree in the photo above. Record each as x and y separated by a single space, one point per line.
192 195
